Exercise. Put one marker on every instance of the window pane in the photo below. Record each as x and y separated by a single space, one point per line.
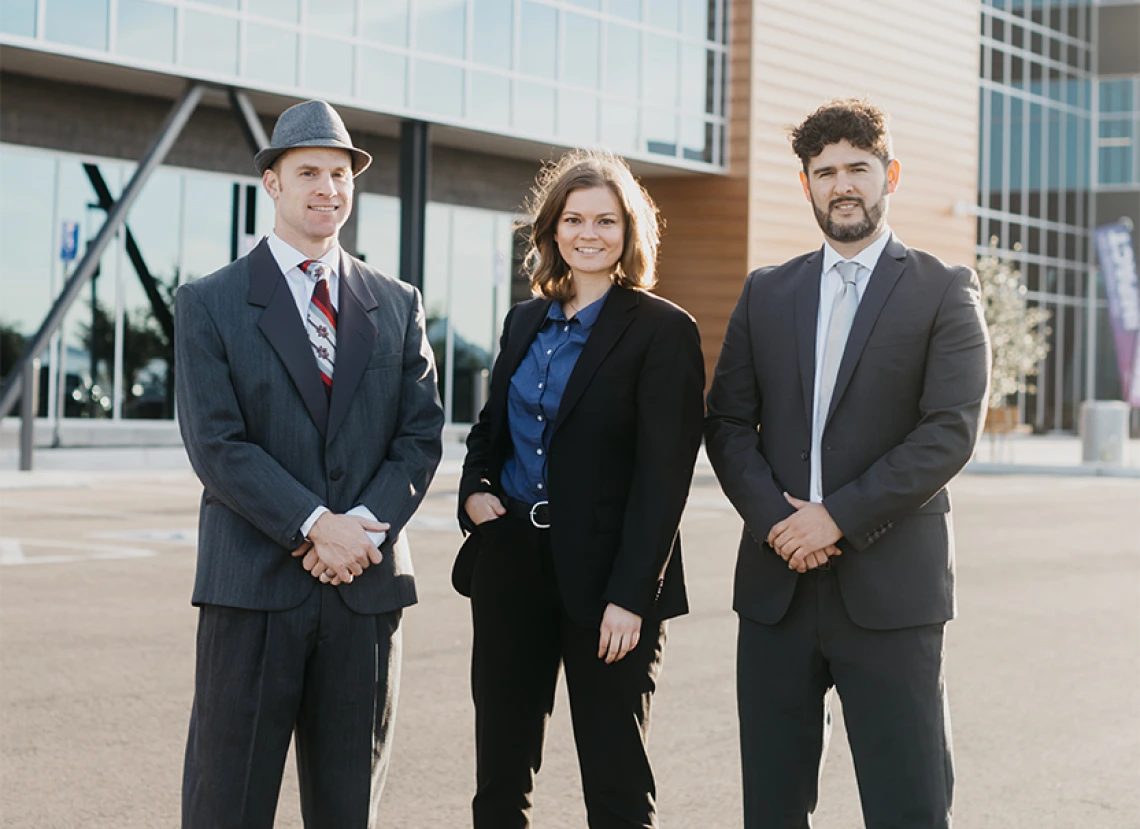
665 14
207 222
660 132
328 65
695 64
473 307
629 9
493 33
77 23
623 61
18 17
441 27
378 231
535 114
221 4
383 78
661 77
271 55
385 22
538 53
577 117
146 30
334 17
209 42
696 140
619 126
583 36
698 15
438 88
281 11
490 99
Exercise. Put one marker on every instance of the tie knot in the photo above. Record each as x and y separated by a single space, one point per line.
848 271
315 268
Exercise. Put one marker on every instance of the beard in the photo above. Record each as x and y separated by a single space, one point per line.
873 219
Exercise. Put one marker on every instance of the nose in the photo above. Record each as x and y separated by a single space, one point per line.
325 184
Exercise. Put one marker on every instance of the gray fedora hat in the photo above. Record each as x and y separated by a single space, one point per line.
311 124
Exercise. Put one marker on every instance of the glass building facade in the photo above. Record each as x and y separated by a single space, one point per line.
644 78
1038 92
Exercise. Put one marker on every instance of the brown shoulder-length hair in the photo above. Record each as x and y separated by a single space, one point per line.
582 170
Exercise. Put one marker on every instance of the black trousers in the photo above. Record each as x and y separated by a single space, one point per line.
522 636
894 707
319 670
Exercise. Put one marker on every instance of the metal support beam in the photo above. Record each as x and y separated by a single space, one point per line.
247 118
415 176
146 278
167 135
28 405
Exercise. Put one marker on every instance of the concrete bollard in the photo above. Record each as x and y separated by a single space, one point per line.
1104 431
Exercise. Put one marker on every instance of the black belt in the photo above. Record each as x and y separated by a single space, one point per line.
537 514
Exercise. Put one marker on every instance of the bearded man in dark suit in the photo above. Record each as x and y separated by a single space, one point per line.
849 392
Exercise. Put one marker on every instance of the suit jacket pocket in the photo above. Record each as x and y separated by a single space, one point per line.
940 503
385 361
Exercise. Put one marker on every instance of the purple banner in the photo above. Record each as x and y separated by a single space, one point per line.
1118 265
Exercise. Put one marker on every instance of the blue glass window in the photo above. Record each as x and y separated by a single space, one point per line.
271 55
77 23
535 113
385 22
383 78
441 27
490 99
492 39
623 61
18 17
538 52
329 65
438 88
577 116
279 11
333 17
145 30
209 42
661 71
583 42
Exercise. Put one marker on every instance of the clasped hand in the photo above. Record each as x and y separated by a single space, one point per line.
807 538
338 550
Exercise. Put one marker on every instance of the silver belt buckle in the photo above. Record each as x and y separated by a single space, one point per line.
534 518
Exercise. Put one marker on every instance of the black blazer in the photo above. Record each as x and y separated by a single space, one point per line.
905 415
621 456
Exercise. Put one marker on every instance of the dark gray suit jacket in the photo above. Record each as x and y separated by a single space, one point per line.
905 415
270 447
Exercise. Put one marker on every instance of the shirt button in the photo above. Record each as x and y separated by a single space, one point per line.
540 418
539 451
550 351
567 328
540 486
540 385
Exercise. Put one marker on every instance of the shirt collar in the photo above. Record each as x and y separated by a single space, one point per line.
868 257
586 316
288 257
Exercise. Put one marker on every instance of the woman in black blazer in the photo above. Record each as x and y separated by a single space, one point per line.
572 491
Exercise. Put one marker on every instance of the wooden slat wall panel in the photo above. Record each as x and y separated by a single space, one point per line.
919 61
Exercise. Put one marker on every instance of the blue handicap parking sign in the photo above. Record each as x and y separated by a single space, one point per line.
68 240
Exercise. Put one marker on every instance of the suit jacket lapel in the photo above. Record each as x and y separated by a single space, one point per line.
282 327
355 335
610 325
806 319
879 287
524 326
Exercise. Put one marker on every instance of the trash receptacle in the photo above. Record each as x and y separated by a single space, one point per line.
1104 431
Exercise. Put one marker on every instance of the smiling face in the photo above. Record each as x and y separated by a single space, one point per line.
590 233
312 187
848 189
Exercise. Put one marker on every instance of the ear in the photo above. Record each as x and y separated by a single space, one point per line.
894 171
271 183
804 184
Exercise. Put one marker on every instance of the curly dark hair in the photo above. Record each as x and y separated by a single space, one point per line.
581 170
856 119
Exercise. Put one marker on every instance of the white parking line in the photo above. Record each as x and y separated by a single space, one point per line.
12 552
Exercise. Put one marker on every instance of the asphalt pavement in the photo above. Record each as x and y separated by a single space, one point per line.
97 643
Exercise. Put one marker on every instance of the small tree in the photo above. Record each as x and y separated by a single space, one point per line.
1018 334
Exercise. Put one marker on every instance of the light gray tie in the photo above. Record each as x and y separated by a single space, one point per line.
842 314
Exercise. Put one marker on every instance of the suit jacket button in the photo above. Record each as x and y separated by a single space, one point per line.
336 474
804 455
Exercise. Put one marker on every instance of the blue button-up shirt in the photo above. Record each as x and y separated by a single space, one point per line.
536 393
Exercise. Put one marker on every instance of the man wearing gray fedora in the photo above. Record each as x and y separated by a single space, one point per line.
308 404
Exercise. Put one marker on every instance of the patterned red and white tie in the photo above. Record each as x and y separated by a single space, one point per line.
321 321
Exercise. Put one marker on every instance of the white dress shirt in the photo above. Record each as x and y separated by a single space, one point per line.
829 284
300 284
